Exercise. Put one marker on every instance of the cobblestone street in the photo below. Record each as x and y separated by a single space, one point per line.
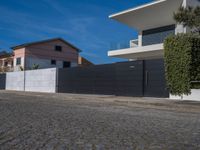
67 121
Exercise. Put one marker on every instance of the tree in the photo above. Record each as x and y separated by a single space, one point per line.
189 17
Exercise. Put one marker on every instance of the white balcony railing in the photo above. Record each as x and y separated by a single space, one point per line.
133 43
124 45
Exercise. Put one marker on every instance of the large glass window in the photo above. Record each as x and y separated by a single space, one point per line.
157 35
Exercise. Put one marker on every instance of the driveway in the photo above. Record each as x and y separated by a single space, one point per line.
94 122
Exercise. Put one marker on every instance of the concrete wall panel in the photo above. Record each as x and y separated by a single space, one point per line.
15 81
43 80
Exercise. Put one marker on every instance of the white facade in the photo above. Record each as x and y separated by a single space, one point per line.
17 67
147 17
151 16
43 63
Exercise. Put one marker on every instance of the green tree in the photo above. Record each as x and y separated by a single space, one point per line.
189 17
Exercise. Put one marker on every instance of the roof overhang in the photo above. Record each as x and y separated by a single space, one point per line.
143 52
155 14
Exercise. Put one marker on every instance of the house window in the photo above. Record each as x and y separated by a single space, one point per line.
53 62
6 64
157 35
58 48
66 64
18 61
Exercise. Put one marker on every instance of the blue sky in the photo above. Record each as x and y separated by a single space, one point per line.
84 23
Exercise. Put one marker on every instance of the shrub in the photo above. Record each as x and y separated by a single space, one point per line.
195 64
182 63
35 66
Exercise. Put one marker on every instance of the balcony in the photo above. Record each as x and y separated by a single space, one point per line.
6 65
133 51
6 69
124 45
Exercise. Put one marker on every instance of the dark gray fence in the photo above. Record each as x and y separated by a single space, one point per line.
2 81
135 78
91 80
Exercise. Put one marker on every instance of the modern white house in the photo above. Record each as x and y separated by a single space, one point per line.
154 22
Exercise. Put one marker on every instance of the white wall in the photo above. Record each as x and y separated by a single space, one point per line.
180 29
45 63
42 80
15 81
195 96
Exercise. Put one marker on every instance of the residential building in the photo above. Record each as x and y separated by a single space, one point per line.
52 53
154 22
6 61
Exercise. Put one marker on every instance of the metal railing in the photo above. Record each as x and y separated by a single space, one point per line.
124 45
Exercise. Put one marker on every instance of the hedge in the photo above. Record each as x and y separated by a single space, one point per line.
195 64
182 63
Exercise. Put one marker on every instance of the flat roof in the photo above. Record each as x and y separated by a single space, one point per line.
136 8
148 16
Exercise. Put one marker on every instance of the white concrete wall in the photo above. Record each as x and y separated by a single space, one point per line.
42 80
180 29
195 96
15 81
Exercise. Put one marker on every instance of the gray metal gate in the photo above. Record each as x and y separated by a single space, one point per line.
154 79
129 78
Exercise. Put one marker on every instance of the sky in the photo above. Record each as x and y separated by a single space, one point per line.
84 23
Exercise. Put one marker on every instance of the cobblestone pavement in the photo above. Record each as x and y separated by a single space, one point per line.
88 122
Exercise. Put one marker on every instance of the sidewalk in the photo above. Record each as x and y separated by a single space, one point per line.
149 103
